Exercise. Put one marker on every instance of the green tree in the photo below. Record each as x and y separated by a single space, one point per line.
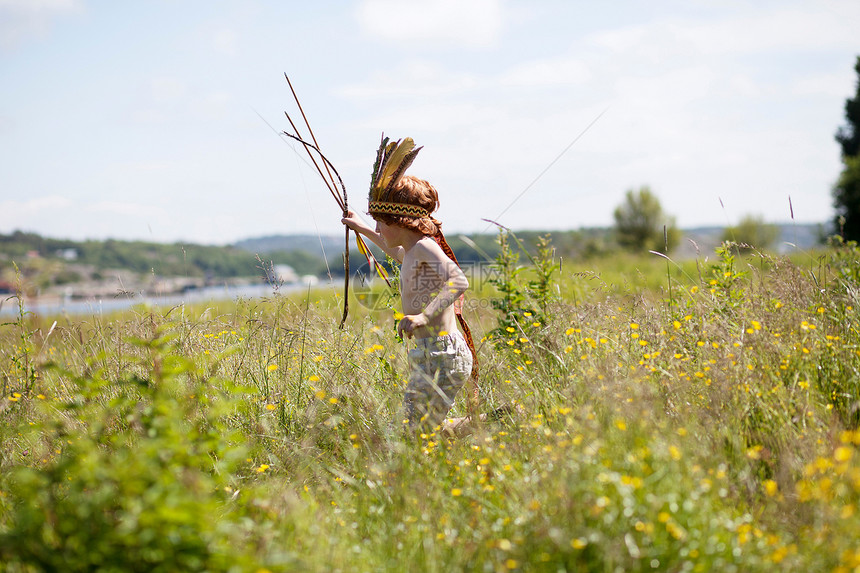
640 223
752 231
846 192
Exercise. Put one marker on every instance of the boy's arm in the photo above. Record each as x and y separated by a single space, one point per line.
355 223
454 283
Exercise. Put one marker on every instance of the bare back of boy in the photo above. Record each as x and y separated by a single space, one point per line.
430 283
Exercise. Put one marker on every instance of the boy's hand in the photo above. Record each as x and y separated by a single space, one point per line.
409 323
353 221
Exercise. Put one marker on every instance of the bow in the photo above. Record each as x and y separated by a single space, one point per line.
339 194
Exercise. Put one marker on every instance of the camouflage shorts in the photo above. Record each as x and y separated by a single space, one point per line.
438 368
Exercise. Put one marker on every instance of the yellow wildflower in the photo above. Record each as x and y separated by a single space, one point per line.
770 487
843 454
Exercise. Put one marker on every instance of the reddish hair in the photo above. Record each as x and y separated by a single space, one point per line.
413 191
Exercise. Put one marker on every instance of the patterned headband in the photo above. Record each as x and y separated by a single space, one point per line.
388 208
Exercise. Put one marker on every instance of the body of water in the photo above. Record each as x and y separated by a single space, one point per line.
102 305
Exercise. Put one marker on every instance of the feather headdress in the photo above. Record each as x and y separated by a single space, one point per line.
393 158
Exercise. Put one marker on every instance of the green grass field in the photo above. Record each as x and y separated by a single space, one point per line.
694 417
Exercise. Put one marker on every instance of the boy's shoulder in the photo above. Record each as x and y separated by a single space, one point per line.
426 247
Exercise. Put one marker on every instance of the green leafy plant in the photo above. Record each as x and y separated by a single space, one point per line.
22 355
505 278
726 282
140 482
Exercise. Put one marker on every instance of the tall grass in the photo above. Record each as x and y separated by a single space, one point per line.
708 422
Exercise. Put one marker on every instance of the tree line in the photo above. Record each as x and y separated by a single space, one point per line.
176 259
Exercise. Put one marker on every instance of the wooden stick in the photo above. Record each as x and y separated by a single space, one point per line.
328 164
325 161
331 189
345 275
313 137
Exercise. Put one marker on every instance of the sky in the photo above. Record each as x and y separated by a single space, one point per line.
159 120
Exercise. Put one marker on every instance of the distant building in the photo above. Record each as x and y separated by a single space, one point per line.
68 254
283 274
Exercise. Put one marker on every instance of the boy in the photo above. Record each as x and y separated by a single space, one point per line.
431 282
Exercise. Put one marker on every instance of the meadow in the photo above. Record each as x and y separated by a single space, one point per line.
665 417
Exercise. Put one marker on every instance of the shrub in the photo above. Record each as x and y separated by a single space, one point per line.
140 480
641 224
752 233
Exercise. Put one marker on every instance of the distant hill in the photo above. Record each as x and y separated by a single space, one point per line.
177 259
312 244
49 262
703 240
695 241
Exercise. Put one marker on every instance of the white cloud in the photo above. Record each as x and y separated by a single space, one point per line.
780 29
213 105
839 85
126 208
33 213
148 116
168 100
433 116
416 78
137 168
225 41
452 22
34 206
24 19
7 124
762 30
626 39
167 89
548 72
58 216
38 6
